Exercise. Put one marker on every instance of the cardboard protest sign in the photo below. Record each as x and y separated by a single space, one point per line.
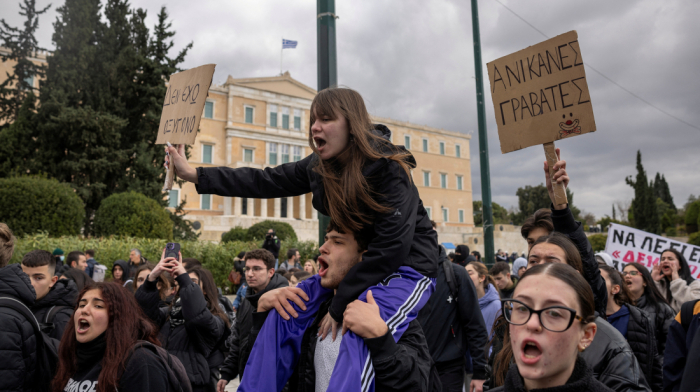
184 104
629 245
182 109
540 94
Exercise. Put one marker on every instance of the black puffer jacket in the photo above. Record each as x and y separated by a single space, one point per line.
17 339
404 366
661 317
453 325
403 236
565 223
63 294
612 360
238 341
192 342
640 336
581 380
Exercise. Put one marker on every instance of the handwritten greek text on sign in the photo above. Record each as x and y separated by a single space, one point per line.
184 104
540 94
628 245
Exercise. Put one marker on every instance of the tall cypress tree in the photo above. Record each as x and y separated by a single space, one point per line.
643 207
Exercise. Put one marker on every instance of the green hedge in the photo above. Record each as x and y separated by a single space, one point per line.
218 258
133 214
598 242
235 234
32 204
694 239
283 230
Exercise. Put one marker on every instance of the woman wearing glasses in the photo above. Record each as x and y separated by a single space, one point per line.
551 321
648 298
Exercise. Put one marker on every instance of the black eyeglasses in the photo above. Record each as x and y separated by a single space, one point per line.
552 318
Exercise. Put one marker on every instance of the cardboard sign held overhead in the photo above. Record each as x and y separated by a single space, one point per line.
184 104
540 94
182 110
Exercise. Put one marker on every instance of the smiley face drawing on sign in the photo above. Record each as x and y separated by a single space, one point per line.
569 127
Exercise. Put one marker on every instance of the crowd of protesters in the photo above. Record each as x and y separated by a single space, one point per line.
381 307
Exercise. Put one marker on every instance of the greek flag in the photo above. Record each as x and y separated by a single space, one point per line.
288 44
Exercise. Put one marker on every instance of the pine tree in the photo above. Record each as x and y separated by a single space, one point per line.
643 209
22 45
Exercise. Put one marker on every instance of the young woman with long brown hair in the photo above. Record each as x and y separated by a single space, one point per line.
648 298
673 278
358 178
97 349
193 326
550 321
634 324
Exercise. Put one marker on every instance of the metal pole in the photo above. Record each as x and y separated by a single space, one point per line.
281 54
487 214
327 68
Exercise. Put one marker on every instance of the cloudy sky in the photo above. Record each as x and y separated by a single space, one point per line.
412 60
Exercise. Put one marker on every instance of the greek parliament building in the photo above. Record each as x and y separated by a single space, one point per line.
264 122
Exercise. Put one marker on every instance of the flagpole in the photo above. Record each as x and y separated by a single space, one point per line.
281 53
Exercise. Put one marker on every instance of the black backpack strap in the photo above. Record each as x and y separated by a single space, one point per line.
687 313
451 279
51 314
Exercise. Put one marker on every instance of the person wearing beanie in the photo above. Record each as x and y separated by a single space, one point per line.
519 267
58 254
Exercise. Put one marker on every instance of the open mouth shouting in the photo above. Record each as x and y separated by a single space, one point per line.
322 266
531 352
83 326
320 143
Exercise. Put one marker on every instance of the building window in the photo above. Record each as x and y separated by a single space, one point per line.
443 180
459 183
458 151
30 81
273 115
426 178
273 154
285 118
207 153
425 145
244 206
297 153
407 142
429 210
206 202
285 153
248 115
247 155
445 214
297 119
209 109
174 198
461 216
283 207
442 148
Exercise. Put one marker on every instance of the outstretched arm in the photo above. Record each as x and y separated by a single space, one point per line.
564 222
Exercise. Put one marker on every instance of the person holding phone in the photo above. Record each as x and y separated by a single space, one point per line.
193 324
